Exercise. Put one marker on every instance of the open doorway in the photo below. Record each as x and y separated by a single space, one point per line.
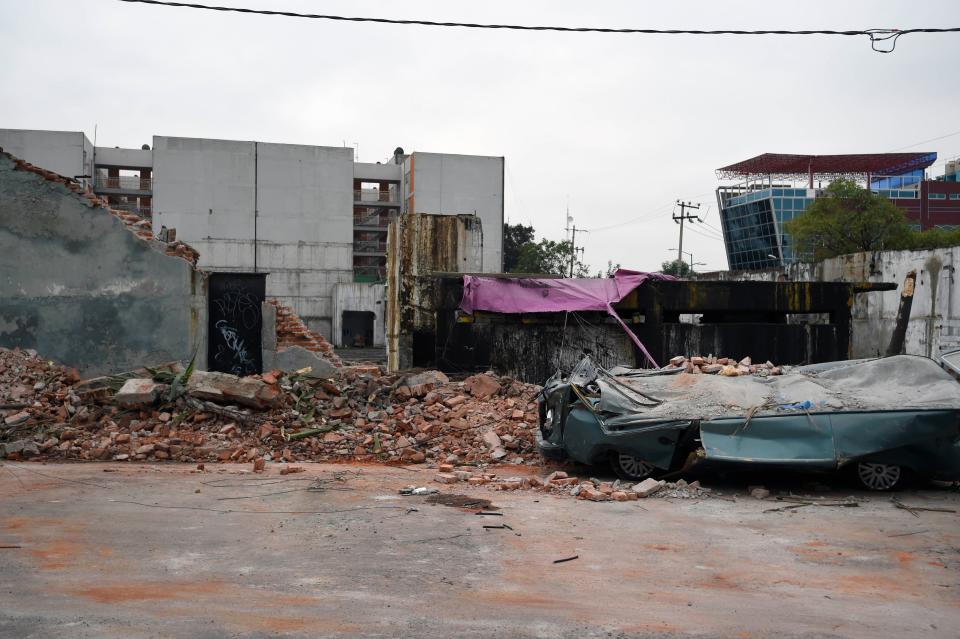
358 328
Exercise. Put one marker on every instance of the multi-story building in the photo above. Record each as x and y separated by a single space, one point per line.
310 217
771 189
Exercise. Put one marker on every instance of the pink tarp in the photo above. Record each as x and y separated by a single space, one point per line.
534 295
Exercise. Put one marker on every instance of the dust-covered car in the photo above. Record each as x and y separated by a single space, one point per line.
883 419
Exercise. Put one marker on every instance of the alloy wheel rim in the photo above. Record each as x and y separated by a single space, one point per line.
633 466
878 476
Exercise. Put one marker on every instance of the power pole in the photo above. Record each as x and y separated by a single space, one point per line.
680 219
574 249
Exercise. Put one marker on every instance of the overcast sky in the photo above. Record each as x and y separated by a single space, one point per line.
619 126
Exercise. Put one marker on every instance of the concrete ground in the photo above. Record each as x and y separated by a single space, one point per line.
166 551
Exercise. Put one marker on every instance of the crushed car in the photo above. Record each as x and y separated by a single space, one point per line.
884 420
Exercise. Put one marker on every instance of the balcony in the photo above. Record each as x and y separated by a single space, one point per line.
375 197
373 220
369 247
123 184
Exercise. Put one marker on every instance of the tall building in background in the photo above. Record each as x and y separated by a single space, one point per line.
310 217
771 189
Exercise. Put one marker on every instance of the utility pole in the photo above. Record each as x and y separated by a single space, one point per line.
680 219
574 249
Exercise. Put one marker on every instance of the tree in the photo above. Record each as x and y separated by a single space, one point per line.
549 257
514 236
611 269
677 268
848 219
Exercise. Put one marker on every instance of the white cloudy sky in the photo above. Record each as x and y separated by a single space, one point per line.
618 125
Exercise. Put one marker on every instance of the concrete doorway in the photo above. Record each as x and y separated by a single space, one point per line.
358 328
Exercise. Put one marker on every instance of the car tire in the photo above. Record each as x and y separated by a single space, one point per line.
629 467
880 477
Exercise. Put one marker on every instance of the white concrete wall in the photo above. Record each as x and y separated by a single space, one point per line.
375 172
304 227
68 153
124 158
447 184
359 297
934 316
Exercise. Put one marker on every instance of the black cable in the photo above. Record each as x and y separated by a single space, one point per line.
875 35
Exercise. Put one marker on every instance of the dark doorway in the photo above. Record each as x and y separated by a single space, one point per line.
235 322
358 328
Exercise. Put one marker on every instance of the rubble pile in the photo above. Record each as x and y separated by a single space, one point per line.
168 415
725 366
560 483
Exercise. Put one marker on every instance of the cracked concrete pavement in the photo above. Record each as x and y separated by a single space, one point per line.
166 551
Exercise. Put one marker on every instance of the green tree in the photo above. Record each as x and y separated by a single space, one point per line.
932 238
677 268
611 269
549 257
514 237
848 219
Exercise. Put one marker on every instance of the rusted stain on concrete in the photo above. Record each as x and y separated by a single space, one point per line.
125 592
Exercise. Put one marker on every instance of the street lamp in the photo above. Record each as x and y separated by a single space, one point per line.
692 263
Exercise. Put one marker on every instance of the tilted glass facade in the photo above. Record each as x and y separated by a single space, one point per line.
753 225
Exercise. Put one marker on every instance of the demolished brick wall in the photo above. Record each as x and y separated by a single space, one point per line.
139 226
88 285
292 331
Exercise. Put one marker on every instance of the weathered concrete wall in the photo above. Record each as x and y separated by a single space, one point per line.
934 319
80 288
532 348
417 247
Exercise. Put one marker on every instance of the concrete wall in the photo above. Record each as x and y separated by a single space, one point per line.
935 315
443 183
124 158
419 246
303 232
80 288
68 153
376 172
360 297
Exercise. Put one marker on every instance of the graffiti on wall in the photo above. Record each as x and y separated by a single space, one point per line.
236 322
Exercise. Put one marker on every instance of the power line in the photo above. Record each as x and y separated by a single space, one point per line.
876 35
640 218
910 146
700 232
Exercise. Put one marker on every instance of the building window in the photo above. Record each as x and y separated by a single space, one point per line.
955 196
937 196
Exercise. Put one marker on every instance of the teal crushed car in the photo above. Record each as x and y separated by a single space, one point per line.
883 419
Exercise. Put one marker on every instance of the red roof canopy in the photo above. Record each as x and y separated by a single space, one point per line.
861 163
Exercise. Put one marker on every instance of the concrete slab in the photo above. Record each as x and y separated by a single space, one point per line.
166 551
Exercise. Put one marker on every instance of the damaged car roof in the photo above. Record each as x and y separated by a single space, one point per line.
901 382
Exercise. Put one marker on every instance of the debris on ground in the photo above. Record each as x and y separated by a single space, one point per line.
726 366
172 413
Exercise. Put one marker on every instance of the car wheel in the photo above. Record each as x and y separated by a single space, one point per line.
630 467
874 476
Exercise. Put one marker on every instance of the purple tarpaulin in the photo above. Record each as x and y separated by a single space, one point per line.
534 295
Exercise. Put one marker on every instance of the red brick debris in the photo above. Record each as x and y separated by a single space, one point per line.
726 366
292 331
360 414
139 226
